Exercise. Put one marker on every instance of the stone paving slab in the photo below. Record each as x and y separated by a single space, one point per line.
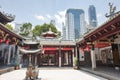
52 74
109 74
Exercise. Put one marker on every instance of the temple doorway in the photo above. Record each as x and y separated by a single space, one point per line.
50 58
67 58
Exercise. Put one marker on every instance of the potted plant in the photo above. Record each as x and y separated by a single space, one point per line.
76 63
17 67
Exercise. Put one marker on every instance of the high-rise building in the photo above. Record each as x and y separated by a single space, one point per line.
52 22
92 16
74 23
63 32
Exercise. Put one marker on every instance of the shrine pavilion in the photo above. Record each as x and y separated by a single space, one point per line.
29 51
56 52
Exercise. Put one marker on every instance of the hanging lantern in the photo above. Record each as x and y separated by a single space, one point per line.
7 41
87 48
1 40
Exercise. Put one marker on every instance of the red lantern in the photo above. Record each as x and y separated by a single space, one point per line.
7 41
87 48
1 40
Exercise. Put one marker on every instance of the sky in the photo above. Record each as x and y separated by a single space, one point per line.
38 12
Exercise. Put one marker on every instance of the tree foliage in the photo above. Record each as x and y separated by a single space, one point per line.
39 29
25 29
8 26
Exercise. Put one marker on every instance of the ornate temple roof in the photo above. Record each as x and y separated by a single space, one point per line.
29 47
30 42
103 33
5 17
49 34
2 27
29 51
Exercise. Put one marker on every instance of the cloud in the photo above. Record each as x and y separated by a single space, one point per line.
99 15
60 16
100 18
48 16
43 17
62 13
40 17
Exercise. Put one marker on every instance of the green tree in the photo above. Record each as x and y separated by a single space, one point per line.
8 26
36 30
59 33
39 29
25 29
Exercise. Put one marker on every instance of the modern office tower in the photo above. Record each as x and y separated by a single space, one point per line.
17 28
63 32
52 22
86 27
74 23
92 16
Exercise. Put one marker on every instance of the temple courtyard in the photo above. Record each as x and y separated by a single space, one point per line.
52 74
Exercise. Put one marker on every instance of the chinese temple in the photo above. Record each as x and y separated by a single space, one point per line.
56 52
9 41
49 51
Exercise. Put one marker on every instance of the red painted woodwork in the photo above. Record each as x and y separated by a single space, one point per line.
49 35
3 28
109 28
26 47
101 45
50 49
49 52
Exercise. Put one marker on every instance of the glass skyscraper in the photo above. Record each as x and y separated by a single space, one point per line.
92 16
74 23
63 32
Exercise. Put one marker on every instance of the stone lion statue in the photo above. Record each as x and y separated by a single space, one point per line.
32 73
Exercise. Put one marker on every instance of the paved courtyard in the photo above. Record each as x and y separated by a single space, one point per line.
52 74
